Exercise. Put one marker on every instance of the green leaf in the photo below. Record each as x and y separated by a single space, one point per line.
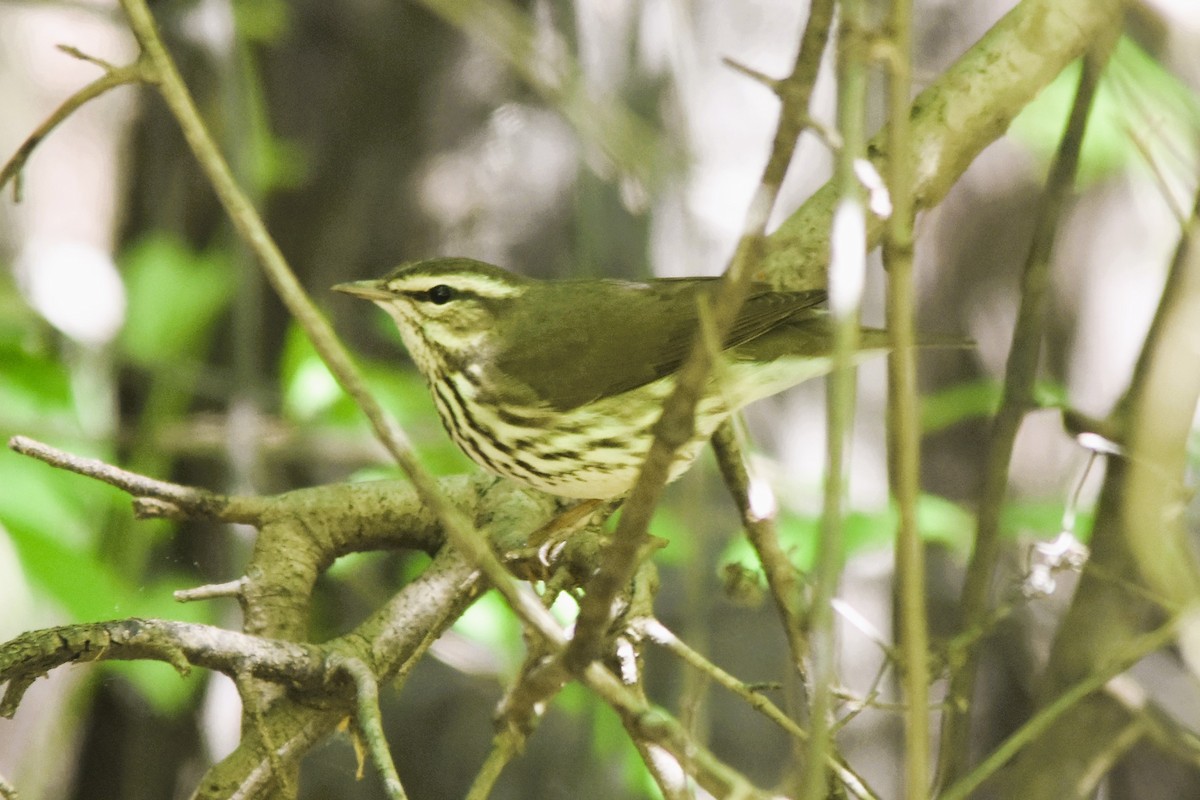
938 520
50 502
310 392
166 690
980 398
281 164
668 524
175 297
35 390
962 401
74 577
944 522
490 623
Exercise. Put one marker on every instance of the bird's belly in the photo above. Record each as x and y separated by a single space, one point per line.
595 451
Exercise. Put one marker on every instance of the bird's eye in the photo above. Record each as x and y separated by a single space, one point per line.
441 294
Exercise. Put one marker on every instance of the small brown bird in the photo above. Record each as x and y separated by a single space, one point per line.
558 384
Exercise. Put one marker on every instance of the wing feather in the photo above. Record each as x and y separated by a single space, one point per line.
598 339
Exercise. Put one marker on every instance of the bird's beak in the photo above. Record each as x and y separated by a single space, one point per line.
367 290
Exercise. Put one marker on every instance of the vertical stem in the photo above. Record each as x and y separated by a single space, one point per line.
903 425
1020 373
847 267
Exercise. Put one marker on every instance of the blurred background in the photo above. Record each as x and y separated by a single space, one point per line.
134 327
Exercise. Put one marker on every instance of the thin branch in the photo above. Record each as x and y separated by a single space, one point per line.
654 725
234 588
193 503
676 425
137 72
180 644
664 637
1018 398
847 272
506 745
357 516
904 434
782 576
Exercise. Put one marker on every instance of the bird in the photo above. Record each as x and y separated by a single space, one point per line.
558 384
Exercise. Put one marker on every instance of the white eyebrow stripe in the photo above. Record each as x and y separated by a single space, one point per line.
471 284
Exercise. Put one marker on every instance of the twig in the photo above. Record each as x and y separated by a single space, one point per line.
506 745
137 72
663 636
828 136
847 270
368 719
234 588
781 574
193 503
654 725
1018 398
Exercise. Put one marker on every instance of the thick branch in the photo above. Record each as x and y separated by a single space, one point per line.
180 644
953 120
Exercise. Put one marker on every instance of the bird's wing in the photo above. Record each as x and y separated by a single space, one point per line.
617 336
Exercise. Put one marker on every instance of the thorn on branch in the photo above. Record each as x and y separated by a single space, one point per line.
212 590
75 52
153 508
760 77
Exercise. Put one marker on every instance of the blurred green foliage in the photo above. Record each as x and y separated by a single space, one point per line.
979 399
1141 110
60 524
313 399
175 296
939 521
